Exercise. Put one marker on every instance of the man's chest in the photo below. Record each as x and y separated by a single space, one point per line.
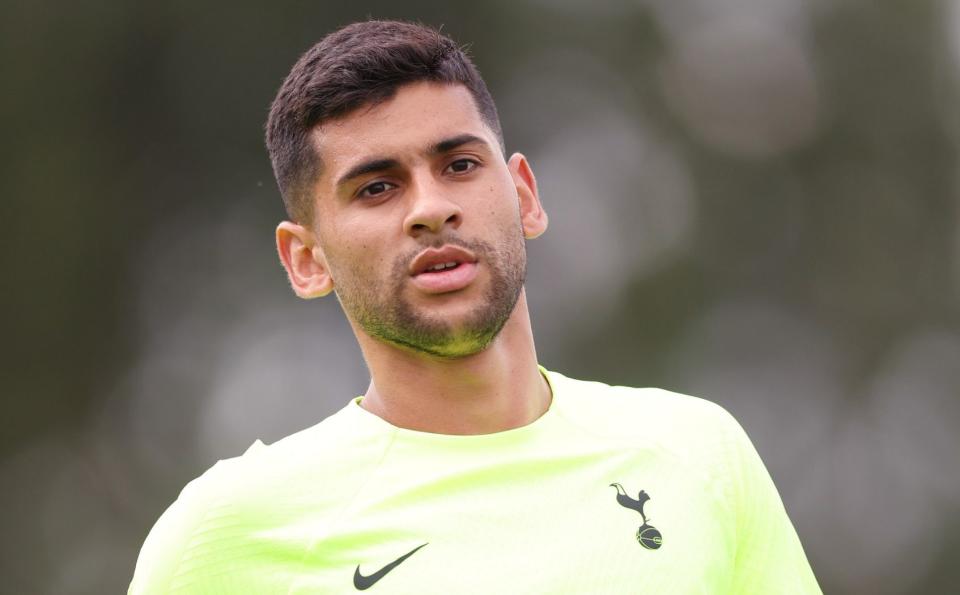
617 524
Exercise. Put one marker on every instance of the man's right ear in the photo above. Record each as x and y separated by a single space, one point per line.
304 261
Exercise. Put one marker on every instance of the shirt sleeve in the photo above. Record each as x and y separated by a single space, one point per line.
769 556
185 546
164 547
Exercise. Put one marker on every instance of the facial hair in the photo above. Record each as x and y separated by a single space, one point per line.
382 311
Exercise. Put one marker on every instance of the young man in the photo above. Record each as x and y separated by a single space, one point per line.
465 467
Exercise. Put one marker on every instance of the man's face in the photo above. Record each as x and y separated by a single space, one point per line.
419 221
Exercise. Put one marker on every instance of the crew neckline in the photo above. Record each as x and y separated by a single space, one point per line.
378 424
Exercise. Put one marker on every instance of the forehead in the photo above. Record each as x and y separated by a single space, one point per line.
418 115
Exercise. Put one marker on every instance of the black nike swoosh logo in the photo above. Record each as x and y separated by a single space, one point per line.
363 583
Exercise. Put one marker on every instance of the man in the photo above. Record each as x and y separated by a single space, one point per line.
465 467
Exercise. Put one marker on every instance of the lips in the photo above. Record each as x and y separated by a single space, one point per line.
442 270
433 258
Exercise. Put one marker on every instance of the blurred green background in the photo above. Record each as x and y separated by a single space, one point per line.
754 201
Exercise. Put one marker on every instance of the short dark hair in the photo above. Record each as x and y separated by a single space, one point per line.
361 64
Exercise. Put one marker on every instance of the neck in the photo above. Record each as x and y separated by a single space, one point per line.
498 389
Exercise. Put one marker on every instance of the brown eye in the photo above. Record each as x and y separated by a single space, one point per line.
375 189
462 166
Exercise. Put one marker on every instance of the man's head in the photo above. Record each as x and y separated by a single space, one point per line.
416 220
359 65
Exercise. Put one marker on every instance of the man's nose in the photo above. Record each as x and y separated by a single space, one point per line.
431 209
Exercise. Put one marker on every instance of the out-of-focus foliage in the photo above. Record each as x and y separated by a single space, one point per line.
754 201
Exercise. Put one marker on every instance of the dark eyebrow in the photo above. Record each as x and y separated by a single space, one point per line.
449 144
367 167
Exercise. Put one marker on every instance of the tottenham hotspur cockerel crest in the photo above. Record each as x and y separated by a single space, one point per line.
648 535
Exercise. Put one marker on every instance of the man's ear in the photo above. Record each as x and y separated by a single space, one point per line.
304 261
532 216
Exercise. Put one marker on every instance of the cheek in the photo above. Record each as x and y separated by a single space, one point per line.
362 257
501 199
504 206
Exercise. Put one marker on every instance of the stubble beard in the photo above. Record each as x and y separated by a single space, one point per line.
383 312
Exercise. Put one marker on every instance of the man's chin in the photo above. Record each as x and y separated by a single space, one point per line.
446 346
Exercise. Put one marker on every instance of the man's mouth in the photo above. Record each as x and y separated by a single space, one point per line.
442 270
446 257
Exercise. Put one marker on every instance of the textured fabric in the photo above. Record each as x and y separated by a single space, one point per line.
612 490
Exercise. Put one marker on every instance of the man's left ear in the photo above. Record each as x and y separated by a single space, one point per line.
532 216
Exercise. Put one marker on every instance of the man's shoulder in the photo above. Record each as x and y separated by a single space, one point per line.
615 410
246 495
313 454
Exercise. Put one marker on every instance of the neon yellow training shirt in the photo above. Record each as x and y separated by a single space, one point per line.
612 490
